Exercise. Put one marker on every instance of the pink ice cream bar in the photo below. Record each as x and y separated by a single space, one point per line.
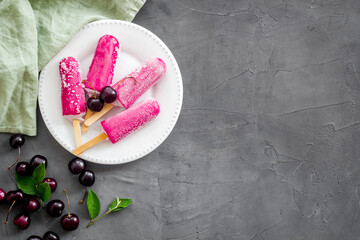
101 70
146 76
124 123
132 86
72 92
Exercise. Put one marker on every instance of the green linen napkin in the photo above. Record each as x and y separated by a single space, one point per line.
32 32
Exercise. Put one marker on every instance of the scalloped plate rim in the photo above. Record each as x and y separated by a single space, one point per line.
169 127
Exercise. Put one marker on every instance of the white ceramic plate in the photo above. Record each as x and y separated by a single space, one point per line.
137 45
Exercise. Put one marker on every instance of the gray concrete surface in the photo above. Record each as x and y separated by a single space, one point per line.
267 143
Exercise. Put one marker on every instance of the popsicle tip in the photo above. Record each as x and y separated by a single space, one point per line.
162 63
68 58
156 107
109 38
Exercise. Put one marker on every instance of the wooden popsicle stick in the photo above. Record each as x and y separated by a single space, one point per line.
89 144
89 113
98 115
77 132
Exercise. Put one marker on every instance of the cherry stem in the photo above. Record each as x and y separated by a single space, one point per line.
83 199
123 80
16 160
68 203
7 215
84 80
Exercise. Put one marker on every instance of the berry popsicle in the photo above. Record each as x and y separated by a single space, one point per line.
101 70
133 86
72 94
124 123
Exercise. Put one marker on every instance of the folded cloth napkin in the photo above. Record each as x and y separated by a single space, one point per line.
32 32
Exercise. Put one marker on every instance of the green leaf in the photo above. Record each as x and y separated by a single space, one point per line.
114 204
39 173
44 191
119 204
93 204
26 184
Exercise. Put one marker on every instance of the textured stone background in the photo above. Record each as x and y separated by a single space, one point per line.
267 143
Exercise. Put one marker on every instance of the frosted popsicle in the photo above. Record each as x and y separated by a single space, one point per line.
146 76
72 94
134 85
124 123
101 70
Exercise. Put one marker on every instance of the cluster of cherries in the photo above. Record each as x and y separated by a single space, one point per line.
55 207
26 169
47 236
86 177
107 95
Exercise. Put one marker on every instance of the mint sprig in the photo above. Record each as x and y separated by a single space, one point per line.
33 185
119 204
93 204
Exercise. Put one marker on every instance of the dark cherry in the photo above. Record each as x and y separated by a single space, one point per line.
95 104
13 197
87 178
16 195
76 165
37 160
2 195
108 94
34 237
17 140
32 205
52 183
23 169
22 220
70 222
50 236
55 208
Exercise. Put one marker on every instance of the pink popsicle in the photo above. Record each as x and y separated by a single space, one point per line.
101 70
124 123
146 76
128 92
72 92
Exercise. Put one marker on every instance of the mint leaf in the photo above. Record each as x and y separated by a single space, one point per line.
93 204
39 173
114 204
26 184
119 204
44 191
